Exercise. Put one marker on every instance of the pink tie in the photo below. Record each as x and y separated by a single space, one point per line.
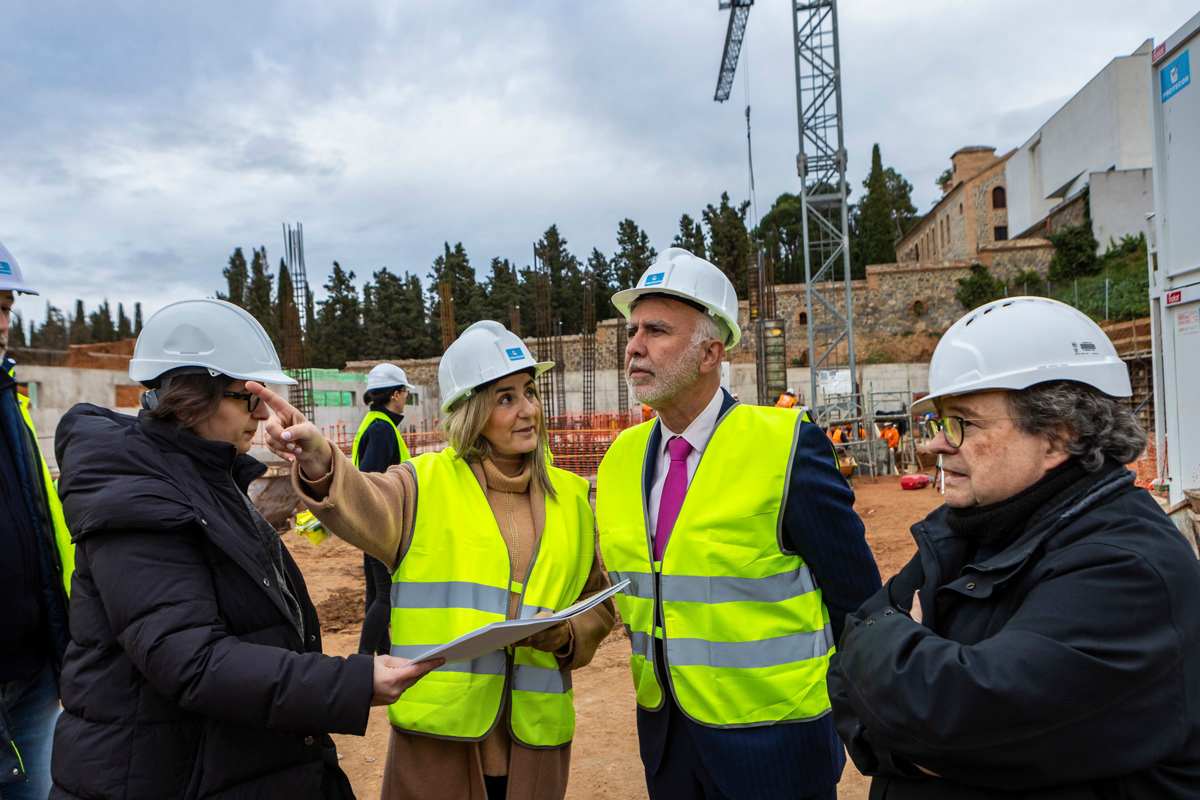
673 492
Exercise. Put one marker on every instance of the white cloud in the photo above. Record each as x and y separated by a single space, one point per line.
144 143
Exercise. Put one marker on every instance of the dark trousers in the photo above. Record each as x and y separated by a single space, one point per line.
375 639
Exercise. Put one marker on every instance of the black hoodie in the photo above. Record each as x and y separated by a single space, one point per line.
188 674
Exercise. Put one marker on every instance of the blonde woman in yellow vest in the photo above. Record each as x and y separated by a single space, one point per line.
378 446
485 530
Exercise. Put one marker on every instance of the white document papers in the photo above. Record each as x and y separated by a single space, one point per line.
499 635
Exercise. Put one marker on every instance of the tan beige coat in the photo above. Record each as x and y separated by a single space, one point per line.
375 512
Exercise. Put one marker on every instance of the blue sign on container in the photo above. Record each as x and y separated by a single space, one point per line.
1175 76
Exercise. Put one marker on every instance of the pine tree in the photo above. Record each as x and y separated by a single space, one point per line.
124 327
781 233
566 280
383 299
337 332
690 236
287 319
454 266
876 229
502 294
414 322
729 245
634 254
899 190
600 274
259 294
101 323
52 335
16 331
137 319
80 331
236 279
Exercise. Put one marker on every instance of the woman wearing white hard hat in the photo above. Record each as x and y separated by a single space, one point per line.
482 531
379 445
1043 642
195 667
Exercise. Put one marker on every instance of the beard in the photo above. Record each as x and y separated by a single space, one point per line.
669 380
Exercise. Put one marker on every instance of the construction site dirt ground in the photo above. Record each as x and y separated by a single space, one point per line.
605 763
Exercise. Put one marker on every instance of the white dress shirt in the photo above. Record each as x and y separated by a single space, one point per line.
697 434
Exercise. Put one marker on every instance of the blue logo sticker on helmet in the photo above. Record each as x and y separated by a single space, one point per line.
5 268
514 353
655 279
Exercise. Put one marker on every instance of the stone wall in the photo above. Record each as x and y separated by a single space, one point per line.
1008 259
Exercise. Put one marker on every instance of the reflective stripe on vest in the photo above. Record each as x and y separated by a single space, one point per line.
456 577
366 423
745 633
62 535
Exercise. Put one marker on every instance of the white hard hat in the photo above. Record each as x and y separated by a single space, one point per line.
678 273
1017 342
484 352
11 279
210 334
386 376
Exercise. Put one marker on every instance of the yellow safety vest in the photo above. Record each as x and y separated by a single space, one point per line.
366 423
745 633
62 536
456 577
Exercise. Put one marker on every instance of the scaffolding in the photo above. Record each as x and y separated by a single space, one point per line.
544 336
821 164
297 326
622 384
560 368
446 309
588 354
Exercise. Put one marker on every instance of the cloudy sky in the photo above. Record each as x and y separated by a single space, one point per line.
143 141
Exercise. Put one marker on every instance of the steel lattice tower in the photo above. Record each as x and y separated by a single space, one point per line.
821 164
297 328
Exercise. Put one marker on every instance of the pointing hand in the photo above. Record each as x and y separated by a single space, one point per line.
291 436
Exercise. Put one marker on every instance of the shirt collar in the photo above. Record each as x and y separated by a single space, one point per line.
701 428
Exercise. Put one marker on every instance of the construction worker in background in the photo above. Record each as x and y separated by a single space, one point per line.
36 561
483 531
195 666
1043 643
378 445
891 436
743 562
787 400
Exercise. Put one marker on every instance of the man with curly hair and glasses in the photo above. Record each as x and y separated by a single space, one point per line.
1042 642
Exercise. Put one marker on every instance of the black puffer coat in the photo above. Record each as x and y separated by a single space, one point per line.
1065 667
191 671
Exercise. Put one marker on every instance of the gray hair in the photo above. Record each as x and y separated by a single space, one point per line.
708 328
1089 424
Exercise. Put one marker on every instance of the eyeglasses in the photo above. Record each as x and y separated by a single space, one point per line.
955 427
252 400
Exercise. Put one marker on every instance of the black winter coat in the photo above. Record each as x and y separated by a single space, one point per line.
1066 666
190 673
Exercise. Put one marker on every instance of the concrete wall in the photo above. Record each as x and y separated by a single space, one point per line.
1120 201
1105 125
53 390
